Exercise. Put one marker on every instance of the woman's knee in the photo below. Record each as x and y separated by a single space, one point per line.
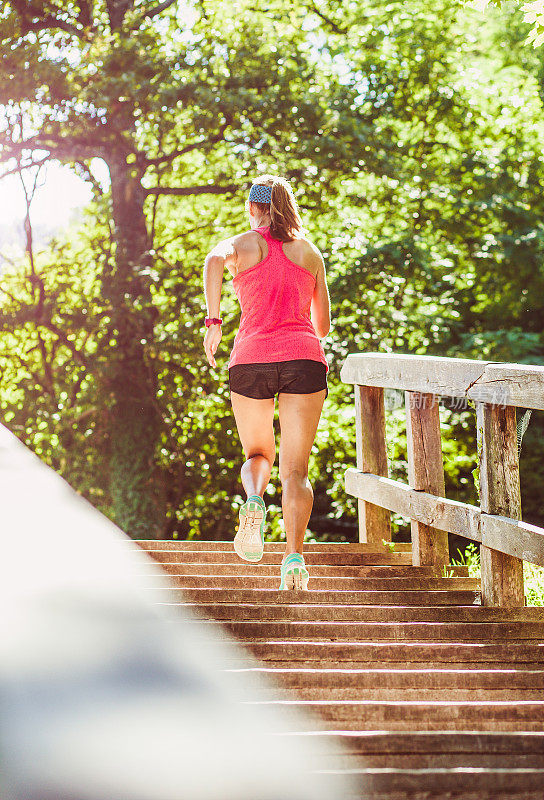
298 475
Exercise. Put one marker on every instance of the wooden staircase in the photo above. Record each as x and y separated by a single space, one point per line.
430 694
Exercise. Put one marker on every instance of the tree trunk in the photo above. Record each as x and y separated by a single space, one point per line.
138 502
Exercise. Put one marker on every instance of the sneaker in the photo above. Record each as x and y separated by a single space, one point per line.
249 539
294 572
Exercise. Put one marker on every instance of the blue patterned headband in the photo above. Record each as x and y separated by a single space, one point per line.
260 194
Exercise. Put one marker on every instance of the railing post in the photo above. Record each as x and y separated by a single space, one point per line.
426 474
374 521
500 493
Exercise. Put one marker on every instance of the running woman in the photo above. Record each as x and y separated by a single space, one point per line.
279 279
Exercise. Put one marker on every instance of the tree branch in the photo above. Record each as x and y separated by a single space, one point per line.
175 153
86 174
63 338
187 190
18 168
67 149
47 365
186 232
50 23
333 25
158 8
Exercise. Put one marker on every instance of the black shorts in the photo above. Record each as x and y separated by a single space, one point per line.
263 381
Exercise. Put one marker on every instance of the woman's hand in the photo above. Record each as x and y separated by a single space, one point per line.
211 342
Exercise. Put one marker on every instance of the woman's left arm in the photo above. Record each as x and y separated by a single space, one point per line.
214 267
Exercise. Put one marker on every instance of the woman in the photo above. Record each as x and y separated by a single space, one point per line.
279 279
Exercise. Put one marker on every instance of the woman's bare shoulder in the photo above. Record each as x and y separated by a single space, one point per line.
250 248
311 250
247 237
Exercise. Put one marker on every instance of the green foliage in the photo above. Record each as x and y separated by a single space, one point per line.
533 579
533 14
469 558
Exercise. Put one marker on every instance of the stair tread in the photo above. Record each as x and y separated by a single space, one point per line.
393 612
334 597
416 741
270 547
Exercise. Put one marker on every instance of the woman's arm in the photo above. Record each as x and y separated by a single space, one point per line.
321 306
214 267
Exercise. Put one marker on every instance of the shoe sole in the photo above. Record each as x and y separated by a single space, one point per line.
248 545
297 579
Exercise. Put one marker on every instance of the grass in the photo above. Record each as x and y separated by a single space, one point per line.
533 576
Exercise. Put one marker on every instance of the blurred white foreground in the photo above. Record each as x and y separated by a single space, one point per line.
105 695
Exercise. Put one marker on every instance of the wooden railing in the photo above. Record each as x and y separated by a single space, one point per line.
496 389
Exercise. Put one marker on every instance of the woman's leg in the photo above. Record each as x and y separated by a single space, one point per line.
299 417
255 423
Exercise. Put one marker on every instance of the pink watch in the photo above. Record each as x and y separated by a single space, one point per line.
212 321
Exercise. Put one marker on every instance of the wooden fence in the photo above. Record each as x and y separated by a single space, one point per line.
496 389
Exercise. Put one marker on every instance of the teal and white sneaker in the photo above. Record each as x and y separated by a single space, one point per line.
249 539
294 572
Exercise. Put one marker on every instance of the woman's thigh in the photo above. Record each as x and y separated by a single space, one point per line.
255 423
299 417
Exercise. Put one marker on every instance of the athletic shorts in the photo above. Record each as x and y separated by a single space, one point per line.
263 381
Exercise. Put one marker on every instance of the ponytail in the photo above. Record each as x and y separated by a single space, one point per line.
285 221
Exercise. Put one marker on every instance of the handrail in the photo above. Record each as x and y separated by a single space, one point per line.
496 389
518 385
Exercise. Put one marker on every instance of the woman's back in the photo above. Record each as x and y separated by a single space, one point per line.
252 248
275 296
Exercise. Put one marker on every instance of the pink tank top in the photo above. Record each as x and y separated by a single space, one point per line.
275 297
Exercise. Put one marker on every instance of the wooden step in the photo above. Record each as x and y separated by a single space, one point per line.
406 652
457 761
363 679
359 715
440 597
364 613
312 558
380 694
445 783
255 581
435 743
270 547
379 685
243 569
367 631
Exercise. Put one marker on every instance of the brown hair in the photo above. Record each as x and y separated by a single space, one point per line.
285 221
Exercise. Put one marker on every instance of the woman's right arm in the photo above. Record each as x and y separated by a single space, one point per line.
321 306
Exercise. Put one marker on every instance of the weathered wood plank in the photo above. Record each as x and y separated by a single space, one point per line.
439 512
425 473
511 385
513 537
500 494
482 381
431 374
374 521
